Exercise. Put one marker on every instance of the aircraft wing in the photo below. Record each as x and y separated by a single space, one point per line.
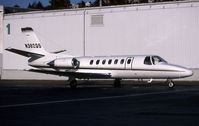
74 73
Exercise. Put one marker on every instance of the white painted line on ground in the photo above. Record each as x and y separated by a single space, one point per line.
86 99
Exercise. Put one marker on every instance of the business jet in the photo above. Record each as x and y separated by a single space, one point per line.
84 67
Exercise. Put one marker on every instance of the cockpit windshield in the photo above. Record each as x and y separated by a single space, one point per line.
149 60
157 60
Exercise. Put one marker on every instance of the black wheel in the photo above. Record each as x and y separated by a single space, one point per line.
171 84
117 83
73 84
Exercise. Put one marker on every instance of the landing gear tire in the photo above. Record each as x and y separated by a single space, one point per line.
117 83
171 84
73 84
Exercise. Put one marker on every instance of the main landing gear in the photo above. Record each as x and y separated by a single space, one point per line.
170 84
117 83
73 83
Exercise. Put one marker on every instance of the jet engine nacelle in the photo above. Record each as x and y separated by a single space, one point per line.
65 63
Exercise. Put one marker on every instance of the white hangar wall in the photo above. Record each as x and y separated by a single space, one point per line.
170 30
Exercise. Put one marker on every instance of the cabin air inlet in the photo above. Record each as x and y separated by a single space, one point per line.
75 63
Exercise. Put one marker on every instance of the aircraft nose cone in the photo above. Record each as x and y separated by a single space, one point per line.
187 73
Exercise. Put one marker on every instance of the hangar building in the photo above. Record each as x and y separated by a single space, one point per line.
170 30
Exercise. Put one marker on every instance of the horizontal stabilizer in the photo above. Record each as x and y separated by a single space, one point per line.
24 53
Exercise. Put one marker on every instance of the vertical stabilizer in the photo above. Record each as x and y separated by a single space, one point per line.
32 42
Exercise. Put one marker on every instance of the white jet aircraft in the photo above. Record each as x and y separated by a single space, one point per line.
115 67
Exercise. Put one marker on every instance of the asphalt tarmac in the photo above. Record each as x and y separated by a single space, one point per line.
52 103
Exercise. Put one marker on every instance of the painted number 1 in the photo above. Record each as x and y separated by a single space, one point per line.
8 27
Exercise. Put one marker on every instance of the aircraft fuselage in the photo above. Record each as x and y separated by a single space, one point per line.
129 67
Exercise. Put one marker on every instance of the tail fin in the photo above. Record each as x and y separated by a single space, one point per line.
33 42
33 45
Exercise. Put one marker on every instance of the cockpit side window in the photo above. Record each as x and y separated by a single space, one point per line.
157 60
147 61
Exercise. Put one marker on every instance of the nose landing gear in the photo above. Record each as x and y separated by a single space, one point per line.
170 84
72 83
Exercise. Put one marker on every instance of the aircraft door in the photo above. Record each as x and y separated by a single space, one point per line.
129 63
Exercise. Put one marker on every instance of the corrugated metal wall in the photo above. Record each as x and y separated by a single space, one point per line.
170 30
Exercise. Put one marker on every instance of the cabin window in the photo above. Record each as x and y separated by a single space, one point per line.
122 61
97 62
128 61
104 61
147 60
115 62
110 61
91 62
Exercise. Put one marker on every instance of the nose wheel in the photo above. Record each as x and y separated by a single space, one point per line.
170 84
